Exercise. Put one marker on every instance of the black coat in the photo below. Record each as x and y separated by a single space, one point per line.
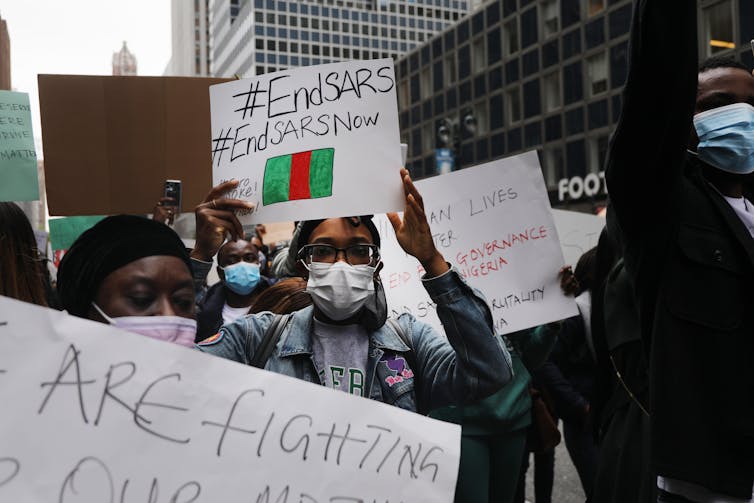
209 311
691 262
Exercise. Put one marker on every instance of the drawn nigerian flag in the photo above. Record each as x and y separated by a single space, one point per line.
304 175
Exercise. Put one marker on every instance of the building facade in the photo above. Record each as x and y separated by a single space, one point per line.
4 56
252 37
190 39
124 63
519 75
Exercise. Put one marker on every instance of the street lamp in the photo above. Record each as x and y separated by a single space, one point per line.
449 131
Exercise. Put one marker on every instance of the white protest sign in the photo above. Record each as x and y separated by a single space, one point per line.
493 222
314 142
578 232
94 414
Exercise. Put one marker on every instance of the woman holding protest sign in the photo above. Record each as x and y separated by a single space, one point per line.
344 341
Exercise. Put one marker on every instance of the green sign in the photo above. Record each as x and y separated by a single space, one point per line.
64 231
18 159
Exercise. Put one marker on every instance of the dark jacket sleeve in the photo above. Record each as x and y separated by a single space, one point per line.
569 403
647 153
648 149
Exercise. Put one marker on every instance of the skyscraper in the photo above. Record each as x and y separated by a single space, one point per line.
4 55
190 39
124 63
548 75
251 37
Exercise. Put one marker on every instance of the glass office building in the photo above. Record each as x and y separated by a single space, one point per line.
518 75
252 37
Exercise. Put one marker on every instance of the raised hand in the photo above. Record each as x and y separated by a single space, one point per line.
216 219
413 232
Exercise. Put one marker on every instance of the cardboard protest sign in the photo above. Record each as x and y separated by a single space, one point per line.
18 156
111 142
92 413
314 142
65 230
494 224
578 232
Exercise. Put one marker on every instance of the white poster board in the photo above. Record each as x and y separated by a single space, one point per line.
94 414
578 232
314 142
493 222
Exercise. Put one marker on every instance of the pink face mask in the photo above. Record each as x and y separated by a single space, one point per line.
175 329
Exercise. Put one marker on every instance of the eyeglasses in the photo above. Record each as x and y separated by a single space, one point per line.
328 254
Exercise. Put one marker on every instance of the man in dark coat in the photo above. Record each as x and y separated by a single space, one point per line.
240 284
685 224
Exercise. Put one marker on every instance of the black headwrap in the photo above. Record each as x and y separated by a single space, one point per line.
309 226
112 243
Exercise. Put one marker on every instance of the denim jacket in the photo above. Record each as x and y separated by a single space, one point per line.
470 364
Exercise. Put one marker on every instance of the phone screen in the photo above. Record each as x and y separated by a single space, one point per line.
173 189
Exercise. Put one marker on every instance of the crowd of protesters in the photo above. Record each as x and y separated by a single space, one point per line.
653 381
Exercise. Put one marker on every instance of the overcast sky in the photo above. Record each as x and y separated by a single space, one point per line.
80 37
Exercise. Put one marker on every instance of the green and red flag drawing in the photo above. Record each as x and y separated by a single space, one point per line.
304 175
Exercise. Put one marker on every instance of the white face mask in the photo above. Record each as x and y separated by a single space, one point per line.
340 290
175 329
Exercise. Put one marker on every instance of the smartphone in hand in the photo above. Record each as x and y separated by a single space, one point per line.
173 189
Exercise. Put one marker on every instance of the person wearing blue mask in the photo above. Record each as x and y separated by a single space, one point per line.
240 284
677 172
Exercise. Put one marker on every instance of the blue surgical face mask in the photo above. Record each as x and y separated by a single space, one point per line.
726 138
242 277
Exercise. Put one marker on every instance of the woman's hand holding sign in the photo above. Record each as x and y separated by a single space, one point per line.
413 232
215 218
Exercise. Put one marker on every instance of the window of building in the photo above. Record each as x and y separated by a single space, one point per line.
510 36
450 68
480 124
428 137
479 55
270 45
426 82
513 105
717 21
596 67
553 165
550 17
594 7
403 94
551 92
597 152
